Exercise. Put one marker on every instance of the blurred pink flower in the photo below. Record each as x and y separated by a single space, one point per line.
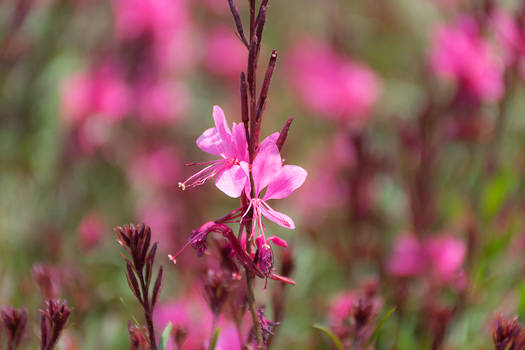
341 308
166 23
157 167
439 258
195 317
326 183
407 259
460 53
510 36
90 230
163 216
332 85
232 147
100 92
446 255
225 53
161 103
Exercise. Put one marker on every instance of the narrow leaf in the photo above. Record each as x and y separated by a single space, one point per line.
335 339
215 338
165 337
380 324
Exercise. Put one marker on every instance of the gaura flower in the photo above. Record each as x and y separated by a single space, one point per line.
279 181
230 170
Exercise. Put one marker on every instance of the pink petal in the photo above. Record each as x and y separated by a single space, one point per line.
272 138
232 181
278 241
287 180
210 142
216 140
282 279
277 217
266 164
239 148
221 124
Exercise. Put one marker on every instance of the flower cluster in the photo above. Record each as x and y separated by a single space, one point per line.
437 258
234 176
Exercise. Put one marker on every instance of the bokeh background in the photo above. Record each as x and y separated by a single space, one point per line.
409 118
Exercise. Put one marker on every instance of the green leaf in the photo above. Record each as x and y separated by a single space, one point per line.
165 337
215 338
380 324
335 338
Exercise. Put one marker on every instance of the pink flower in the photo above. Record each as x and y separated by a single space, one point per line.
101 92
161 103
407 259
166 25
439 258
225 54
158 167
90 230
279 181
341 308
446 255
332 85
162 216
461 54
230 170
195 317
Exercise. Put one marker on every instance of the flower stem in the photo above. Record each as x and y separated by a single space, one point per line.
253 310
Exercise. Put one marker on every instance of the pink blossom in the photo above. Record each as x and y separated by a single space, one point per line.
158 167
461 54
166 23
162 216
230 170
279 181
439 258
90 230
225 54
195 317
332 85
407 259
341 308
446 255
161 103
325 183
101 92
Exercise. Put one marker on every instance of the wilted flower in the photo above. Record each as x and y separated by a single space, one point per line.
508 335
15 323
53 321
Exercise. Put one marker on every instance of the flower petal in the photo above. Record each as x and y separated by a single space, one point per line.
217 140
277 217
232 181
210 142
266 164
287 180
269 139
278 241
275 277
239 148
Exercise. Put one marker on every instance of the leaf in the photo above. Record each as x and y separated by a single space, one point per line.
165 337
380 324
215 338
335 339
